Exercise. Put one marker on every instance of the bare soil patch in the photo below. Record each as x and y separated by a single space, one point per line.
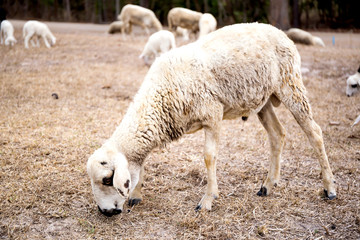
45 192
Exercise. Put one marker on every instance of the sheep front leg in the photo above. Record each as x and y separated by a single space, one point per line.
135 195
45 41
26 41
276 135
211 149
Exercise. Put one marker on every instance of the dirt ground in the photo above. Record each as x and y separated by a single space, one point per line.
45 192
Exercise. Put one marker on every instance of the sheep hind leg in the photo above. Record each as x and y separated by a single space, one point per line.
210 152
135 196
304 118
276 134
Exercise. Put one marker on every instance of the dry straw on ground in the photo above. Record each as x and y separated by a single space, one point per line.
45 142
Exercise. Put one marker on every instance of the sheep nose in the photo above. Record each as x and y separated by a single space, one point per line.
109 212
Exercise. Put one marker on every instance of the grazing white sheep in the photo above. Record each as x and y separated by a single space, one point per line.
353 83
185 18
303 37
207 24
157 44
115 27
235 71
136 15
7 33
35 29
182 32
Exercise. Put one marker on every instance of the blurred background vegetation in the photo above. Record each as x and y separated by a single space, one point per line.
310 14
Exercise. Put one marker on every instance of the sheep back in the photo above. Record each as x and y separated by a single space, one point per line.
185 18
139 16
304 37
235 69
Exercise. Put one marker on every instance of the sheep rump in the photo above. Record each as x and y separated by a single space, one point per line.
207 24
303 37
37 29
157 44
115 27
136 15
235 71
7 33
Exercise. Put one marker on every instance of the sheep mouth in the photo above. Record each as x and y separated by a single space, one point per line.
111 212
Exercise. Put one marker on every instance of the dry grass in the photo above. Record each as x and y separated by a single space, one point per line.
44 145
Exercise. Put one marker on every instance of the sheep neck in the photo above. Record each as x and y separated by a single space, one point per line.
150 122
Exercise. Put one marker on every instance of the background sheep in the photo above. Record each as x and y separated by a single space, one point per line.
185 18
115 27
136 15
37 29
303 37
182 32
7 33
353 83
207 24
157 44
195 87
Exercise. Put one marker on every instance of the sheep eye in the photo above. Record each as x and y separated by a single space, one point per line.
354 85
108 181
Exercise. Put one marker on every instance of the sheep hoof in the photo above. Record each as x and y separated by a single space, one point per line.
262 192
330 196
134 201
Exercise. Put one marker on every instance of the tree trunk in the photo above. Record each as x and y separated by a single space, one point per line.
222 12
188 4
206 6
296 14
104 15
117 8
144 3
197 6
56 9
279 15
68 10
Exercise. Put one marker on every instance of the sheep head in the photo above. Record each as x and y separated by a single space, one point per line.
110 180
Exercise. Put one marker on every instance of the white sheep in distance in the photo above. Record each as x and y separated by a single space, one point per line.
7 33
157 44
303 37
115 27
136 15
35 29
185 18
353 83
233 72
207 24
182 32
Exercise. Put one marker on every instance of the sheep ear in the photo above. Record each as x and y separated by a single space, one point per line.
122 177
